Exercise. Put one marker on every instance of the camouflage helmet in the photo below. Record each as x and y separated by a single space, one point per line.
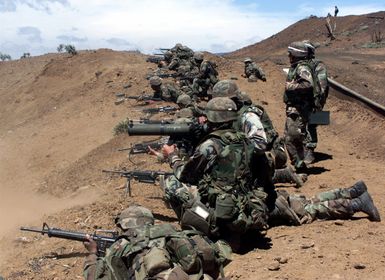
244 97
184 100
225 88
310 48
221 109
134 217
185 113
298 50
198 56
248 60
155 81
167 55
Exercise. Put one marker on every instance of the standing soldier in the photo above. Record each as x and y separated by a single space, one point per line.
320 92
335 11
299 100
252 71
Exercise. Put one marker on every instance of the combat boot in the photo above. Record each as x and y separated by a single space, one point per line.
283 213
364 203
309 156
287 175
357 189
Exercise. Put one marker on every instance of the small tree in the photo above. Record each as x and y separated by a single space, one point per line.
70 49
60 48
4 57
25 55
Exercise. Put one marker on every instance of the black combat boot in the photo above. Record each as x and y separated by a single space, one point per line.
364 203
309 156
287 175
357 189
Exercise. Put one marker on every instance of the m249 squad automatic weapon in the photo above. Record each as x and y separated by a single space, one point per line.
144 176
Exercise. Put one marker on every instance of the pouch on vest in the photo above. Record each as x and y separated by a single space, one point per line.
207 253
156 260
175 273
224 252
225 207
183 252
196 218
119 270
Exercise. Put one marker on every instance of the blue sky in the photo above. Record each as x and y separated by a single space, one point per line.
39 26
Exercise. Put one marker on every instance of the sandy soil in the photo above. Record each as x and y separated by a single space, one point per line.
56 135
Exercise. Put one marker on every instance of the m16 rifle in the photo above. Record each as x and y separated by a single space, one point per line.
163 75
102 241
146 98
144 176
155 59
144 147
162 109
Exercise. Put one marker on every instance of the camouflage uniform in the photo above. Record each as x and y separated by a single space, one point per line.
299 101
227 200
321 92
148 251
253 72
207 77
167 91
335 204
255 122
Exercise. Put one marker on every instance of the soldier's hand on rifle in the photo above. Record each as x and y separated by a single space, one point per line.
151 151
168 149
202 119
91 245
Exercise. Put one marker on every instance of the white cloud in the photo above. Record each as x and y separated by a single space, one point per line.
217 25
145 24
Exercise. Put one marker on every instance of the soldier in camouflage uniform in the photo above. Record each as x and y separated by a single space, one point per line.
254 121
299 100
164 63
185 103
252 71
340 203
206 78
167 92
320 92
148 251
228 201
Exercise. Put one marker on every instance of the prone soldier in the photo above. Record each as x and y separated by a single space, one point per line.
252 71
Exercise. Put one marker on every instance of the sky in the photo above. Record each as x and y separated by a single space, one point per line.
39 26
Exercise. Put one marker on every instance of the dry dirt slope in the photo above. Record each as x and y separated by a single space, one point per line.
55 136
350 31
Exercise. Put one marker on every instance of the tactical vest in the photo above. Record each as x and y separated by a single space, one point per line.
271 133
229 188
298 98
162 252
320 80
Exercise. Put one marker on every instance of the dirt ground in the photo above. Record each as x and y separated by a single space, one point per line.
56 136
